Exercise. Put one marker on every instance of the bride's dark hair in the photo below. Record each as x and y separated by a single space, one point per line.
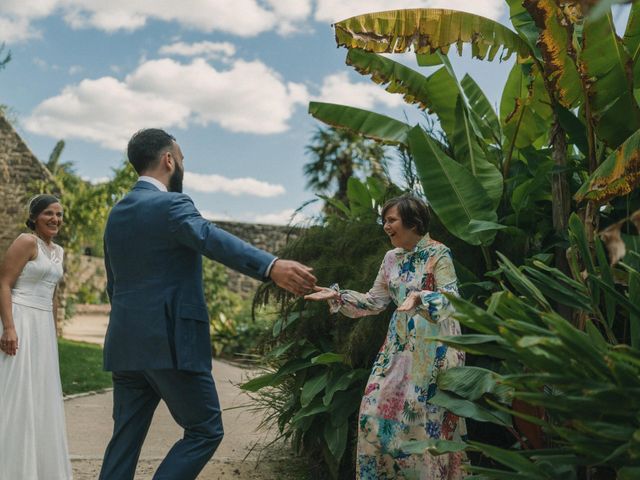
36 206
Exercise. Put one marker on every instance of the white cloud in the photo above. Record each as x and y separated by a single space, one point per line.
337 88
209 215
104 111
282 217
209 50
247 97
245 18
233 186
336 10
75 69
97 180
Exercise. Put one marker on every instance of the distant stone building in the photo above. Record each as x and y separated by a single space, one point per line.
19 170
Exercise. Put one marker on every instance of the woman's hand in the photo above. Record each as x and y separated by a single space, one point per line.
410 303
9 341
322 293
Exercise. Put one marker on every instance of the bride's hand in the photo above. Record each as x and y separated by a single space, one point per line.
9 341
322 293
411 302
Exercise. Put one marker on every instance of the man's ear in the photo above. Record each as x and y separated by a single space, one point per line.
167 160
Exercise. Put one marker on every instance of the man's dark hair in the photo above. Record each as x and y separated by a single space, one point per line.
413 212
145 147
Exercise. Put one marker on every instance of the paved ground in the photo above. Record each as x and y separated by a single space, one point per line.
240 456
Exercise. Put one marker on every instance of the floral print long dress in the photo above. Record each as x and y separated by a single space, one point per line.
395 408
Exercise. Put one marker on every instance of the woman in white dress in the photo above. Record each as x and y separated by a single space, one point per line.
33 439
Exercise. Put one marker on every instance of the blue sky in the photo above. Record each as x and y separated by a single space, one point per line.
231 80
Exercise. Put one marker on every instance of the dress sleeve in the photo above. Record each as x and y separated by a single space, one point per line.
355 304
435 306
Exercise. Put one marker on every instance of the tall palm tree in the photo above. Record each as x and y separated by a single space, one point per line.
338 154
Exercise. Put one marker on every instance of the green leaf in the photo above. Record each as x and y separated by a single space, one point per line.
433 446
468 152
574 127
618 175
510 459
255 384
336 438
524 107
473 382
525 26
632 40
480 107
327 358
343 382
606 66
455 194
477 226
368 124
554 42
428 30
310 410
467 409
437 92
522 283
628 473
312 387
634 318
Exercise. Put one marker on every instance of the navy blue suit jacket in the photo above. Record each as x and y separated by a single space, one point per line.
153 244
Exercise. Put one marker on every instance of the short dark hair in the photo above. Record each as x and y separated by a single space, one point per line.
145 147
413 212
37 205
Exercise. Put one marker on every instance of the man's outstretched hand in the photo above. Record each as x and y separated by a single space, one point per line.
293 276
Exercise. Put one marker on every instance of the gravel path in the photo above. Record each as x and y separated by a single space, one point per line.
241 455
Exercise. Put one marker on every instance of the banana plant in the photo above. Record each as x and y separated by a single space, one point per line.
571 375
574 83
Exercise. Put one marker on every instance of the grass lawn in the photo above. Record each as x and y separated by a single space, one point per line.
81 367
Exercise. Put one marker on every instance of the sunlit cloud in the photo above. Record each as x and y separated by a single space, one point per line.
232 186
246 97
208 50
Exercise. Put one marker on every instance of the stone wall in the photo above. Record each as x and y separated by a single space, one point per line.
19 170
267 237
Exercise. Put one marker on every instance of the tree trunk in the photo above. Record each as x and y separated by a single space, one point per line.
560 202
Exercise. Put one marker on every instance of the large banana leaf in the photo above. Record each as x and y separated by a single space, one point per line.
618 175
437 92
524 107
605 67
369 124
469 153
456 196
427 30
632 40
555 43
482 110
524 25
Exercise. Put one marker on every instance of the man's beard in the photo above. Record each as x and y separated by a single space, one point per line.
175 181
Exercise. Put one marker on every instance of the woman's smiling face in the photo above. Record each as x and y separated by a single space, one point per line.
399 235
49 221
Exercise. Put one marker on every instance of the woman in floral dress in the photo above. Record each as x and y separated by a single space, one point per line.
395 408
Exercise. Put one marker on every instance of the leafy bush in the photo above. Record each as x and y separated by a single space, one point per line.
567 389
234 332
317 363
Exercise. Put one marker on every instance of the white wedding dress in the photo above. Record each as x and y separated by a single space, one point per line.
33 438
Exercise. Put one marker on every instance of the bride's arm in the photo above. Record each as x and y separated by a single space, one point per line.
19 253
